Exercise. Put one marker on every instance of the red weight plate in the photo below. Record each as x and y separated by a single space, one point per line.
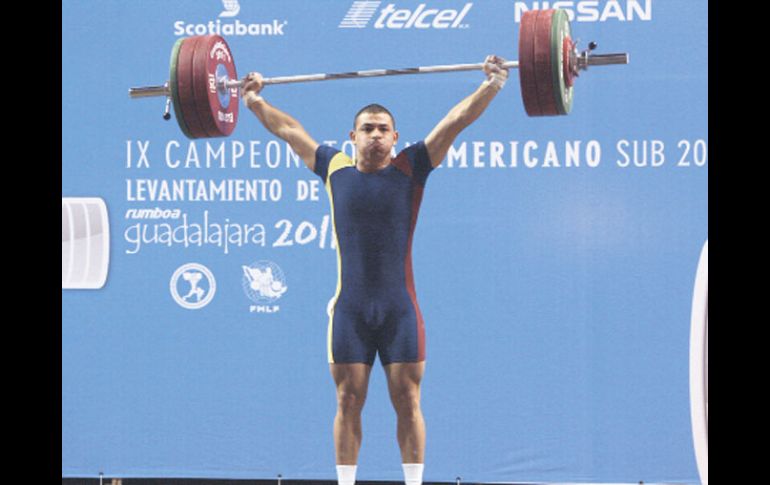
184 69
543 67
224 64
527 63
568 62
218 111
201 86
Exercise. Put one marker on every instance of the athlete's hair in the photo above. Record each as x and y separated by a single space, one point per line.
374 108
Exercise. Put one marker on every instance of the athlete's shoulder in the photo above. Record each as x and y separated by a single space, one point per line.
417 148
416 162
328 160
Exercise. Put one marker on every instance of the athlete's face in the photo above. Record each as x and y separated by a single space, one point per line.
374 136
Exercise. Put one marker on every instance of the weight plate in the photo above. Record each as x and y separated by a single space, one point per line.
543 64
527 63
569 60
185 86
175 90
217 109
560 36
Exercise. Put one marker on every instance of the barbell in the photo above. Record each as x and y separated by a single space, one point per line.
203 87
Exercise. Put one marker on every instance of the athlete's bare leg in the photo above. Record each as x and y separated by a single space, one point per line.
404 387
352 382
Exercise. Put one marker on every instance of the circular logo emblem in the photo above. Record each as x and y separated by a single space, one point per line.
192 286
263 282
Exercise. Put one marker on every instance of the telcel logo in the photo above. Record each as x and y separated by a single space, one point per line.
361 12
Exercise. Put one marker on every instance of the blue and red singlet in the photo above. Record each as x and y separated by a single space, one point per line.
374 215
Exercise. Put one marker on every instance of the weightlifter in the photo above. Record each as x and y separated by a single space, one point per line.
375 199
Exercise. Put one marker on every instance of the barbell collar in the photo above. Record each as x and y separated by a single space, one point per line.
149 91
602 60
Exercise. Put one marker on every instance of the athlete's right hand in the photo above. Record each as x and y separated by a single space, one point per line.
497 75
251 88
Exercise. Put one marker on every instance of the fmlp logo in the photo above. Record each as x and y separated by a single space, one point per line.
363 11
231 9
263 282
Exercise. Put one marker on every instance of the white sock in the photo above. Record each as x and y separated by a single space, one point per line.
346 474
413 473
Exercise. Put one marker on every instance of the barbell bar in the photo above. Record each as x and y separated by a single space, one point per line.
204 89
164 90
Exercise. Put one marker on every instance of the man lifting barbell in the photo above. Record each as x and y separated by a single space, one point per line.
375 199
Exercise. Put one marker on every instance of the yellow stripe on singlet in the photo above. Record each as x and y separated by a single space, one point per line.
337 162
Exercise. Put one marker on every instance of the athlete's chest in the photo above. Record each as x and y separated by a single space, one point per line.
365 197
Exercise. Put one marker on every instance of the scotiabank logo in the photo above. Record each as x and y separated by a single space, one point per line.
362 12
235 28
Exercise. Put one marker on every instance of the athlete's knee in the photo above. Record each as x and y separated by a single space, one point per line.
350 403
406 401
